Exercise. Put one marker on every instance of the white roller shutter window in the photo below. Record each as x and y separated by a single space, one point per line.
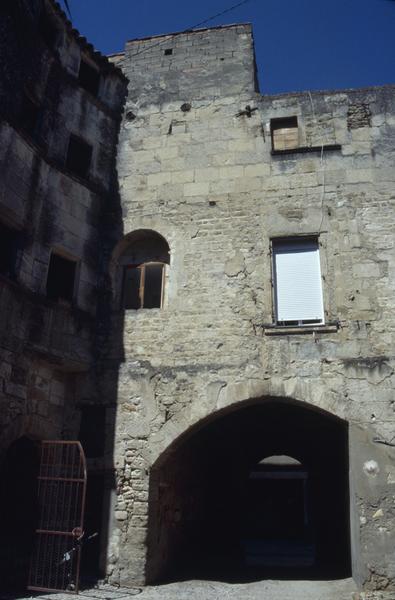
297 281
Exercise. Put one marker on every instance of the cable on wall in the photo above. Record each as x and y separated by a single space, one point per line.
192 27
322 162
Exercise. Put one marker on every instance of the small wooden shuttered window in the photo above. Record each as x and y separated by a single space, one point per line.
297 281
143 285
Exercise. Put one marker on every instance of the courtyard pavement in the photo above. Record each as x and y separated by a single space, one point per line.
343 589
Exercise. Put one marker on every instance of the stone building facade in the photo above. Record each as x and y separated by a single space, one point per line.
60 105
185 338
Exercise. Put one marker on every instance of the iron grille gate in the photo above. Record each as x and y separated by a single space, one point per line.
55 562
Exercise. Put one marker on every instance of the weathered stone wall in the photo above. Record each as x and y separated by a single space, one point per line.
47 347
195 165
206 180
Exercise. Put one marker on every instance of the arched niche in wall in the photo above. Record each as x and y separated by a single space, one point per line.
143 263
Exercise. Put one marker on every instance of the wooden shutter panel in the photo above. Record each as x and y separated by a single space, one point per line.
297 280
131 287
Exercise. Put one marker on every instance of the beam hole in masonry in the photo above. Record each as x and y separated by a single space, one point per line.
61 278
168 51
79 155
130 116
260 492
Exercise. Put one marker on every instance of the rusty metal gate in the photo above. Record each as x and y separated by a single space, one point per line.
55 562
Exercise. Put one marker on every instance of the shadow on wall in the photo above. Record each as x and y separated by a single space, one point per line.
133 274
18 507
223 506
99 411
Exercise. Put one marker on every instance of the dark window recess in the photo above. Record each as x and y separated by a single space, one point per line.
92 430
61 278
89 78
299 323
48 30
143 286
168 51
10 248
29 117
131 287
79 155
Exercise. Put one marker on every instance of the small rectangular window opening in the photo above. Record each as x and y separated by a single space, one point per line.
168 51
48 29
61 278
297 282
9 248
92 433
143 286
29 116
79 155
284 133
89 77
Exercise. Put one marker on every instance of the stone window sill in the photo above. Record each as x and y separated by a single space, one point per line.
307 149
273 330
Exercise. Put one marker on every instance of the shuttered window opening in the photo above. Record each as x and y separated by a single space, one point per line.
297 282
143 286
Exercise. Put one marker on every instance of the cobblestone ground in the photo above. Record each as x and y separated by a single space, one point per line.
209 590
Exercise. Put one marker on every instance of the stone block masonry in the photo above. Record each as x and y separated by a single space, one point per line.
207 181
169 347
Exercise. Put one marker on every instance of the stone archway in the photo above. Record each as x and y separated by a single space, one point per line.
200 499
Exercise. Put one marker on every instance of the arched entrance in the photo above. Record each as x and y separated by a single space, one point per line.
18 509
260 491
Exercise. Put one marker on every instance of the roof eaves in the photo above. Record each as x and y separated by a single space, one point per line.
84 44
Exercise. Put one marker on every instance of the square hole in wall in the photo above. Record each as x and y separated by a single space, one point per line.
79 155
168 51
284 133
89 77
61 278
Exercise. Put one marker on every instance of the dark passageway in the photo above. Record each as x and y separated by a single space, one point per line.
18 509
258 492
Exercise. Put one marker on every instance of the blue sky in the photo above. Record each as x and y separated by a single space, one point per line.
300 44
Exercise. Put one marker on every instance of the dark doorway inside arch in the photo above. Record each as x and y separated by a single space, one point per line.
218 510
18 509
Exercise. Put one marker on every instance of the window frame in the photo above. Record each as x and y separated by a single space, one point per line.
73 138
142 267
89 66
284 120
296 323
30 102
77 262
16 252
